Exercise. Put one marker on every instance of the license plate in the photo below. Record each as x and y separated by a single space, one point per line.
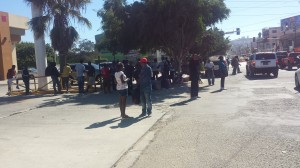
265 63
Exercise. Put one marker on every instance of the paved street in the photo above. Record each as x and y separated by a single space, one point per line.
253 123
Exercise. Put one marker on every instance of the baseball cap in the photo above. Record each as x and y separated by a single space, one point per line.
143 60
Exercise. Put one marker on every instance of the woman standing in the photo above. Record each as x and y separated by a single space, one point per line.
223 71
122 88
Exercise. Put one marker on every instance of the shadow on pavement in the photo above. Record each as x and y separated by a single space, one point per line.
19 99
128 122
104 123
260 77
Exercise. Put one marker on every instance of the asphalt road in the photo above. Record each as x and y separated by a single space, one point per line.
253 123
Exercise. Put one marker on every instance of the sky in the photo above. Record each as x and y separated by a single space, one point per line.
251 16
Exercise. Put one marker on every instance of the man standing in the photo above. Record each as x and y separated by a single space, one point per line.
54 76
65 76
234 64
25 77
90 75
11 74
145 87
194 76
80 69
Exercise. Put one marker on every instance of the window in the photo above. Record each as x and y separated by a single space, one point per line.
265 56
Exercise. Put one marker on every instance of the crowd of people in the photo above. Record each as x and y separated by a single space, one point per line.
120 76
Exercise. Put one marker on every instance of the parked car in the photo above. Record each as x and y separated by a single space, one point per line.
280 56
97 73
262 63
291 60
215 60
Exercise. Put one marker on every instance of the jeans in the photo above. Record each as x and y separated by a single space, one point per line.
26 82
146 101
66 82
80 81
222 82
56 82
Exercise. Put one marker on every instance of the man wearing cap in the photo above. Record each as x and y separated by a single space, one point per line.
145 87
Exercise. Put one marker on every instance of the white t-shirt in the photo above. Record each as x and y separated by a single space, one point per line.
120 85
80 70
209 65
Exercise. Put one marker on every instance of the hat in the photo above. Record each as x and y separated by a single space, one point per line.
143 60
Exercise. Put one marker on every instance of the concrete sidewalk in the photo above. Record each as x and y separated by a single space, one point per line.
74 131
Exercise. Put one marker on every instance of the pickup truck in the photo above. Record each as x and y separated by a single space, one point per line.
291 60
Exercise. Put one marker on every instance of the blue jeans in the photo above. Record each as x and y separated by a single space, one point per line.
146 101
80 81
56 82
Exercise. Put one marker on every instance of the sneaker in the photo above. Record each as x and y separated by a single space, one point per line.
149 113
142 115
17 87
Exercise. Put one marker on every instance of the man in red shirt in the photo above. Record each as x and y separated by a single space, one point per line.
106 78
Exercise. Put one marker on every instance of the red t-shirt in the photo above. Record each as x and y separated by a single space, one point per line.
105 73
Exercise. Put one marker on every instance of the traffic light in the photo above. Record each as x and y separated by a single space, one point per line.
238 31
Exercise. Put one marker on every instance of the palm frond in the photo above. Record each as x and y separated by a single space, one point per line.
39 24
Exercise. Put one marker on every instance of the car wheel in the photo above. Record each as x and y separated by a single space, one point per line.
98 79
297 82
275 73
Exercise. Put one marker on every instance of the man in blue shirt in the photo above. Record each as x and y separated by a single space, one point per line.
145 87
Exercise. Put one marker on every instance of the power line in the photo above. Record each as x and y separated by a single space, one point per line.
266 14
260 22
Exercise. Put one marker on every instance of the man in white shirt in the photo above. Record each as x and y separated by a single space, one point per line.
80 69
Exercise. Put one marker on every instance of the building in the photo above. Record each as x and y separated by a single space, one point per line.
12 27
270 40
290 33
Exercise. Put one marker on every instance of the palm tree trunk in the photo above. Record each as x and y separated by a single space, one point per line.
62 59
40 51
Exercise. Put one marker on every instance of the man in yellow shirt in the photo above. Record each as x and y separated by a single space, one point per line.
65 76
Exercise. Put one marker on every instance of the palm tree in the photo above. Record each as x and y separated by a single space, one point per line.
60 13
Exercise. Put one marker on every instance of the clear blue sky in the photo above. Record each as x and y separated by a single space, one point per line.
249 15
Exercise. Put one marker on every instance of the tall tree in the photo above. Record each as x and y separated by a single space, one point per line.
211 42
60 13
175 25
112 15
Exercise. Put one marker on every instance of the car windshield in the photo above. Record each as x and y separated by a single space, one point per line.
294 54
281 54
265 56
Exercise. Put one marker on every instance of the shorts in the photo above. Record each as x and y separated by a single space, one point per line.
9 81
91 81
123 92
